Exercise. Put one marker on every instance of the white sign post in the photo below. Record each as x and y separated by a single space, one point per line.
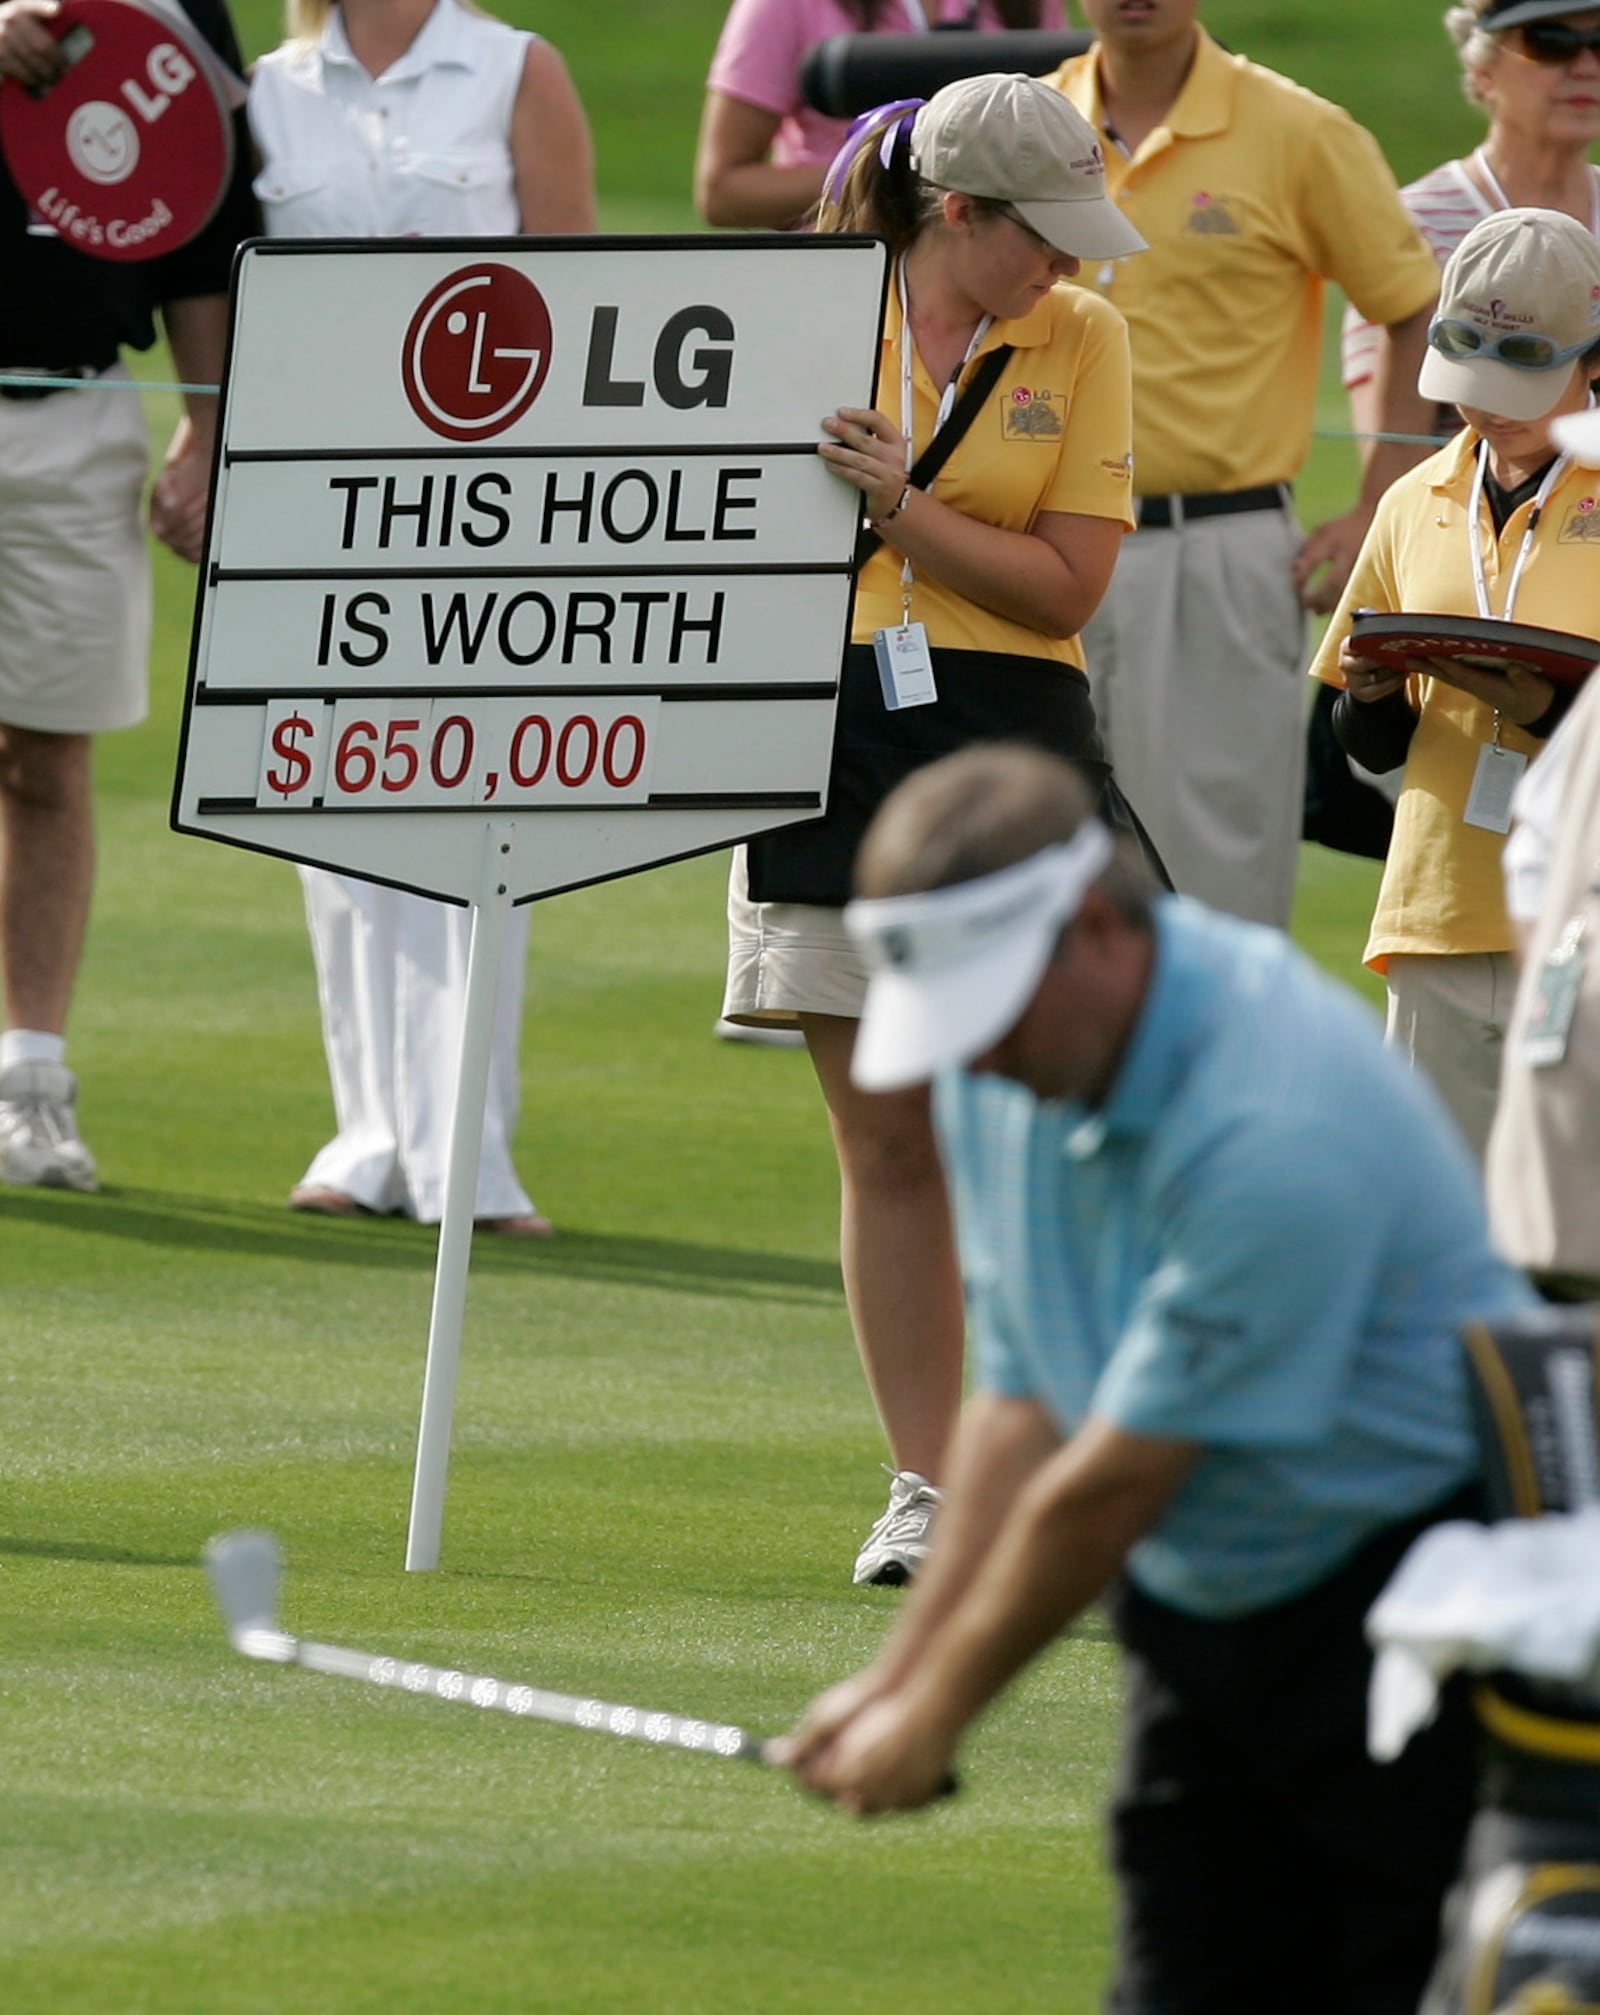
522 573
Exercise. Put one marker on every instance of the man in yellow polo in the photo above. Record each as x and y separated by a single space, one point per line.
1252 194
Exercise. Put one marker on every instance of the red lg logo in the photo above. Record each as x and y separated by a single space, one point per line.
477 352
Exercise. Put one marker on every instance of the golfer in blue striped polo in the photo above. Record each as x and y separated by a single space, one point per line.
1219 1248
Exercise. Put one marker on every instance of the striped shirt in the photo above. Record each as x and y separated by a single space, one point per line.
1265 1242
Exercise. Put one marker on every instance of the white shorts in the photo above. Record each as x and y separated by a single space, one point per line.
787 959
74 566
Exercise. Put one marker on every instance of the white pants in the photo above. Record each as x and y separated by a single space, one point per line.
1448 1012
392 980
1197 661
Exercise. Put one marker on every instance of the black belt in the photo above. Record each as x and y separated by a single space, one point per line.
64 374
1159 514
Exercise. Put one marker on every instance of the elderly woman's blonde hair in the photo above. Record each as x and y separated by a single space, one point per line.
1477 47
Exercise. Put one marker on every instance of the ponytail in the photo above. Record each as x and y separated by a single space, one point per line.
872 185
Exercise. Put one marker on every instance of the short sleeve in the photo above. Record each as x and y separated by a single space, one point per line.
1094 468
1359 233
759 53
1247 1325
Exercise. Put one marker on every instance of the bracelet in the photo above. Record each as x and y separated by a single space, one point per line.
899 505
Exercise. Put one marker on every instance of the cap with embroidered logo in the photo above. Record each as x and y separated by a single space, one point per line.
1016 140
1519 303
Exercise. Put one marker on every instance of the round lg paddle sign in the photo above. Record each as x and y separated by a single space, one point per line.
127 154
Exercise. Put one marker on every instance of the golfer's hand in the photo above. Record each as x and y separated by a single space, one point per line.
1365 679
28 50
824 1719
895 1755
1324 561
869 450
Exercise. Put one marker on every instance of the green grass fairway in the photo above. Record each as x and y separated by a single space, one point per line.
664 1455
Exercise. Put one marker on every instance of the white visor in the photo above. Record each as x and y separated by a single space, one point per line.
953 970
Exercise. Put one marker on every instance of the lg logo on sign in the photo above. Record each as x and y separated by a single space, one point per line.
102 141
477 353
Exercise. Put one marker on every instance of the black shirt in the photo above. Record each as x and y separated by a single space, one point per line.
60 307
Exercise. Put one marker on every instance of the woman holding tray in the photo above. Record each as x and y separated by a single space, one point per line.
1497 524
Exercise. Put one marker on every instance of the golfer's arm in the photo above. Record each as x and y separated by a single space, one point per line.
1067 1536
1000 1444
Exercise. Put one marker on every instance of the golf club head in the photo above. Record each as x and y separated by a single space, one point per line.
245 1570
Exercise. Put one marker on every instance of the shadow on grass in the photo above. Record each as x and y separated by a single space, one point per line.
89 1550
208 1224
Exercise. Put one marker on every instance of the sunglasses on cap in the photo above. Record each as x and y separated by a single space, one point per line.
1555 42
1524 351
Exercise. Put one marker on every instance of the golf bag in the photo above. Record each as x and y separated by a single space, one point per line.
1522 1927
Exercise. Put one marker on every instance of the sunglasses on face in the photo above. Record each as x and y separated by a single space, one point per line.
1523 351
1041 244
1556 42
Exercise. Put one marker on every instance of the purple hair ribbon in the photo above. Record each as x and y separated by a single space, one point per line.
892 119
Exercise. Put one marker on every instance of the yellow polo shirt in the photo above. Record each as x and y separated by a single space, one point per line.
1442 889
1251 196
1053 435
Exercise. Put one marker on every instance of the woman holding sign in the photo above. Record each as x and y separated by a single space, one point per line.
1496 525
412 118
994 477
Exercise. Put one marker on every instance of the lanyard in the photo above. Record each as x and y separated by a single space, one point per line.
1480 156
1480 584
908 409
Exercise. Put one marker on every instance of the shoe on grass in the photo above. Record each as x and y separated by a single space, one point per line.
898 1544
39 1144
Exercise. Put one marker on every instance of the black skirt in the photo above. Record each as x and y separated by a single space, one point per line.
984 696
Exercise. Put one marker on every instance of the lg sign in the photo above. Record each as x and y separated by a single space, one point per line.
478 350
127 154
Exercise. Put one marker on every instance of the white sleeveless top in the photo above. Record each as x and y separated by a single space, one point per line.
424 150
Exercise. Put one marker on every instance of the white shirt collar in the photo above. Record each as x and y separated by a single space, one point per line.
439 44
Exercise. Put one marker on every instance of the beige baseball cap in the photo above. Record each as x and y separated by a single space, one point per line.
1519 303
1016 140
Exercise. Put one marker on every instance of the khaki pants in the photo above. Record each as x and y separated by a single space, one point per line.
1197 660
1448 1012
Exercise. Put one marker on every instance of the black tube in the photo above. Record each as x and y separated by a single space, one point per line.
847 74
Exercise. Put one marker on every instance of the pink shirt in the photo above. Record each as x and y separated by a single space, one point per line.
764 42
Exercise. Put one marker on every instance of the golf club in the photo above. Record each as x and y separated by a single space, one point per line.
246 1569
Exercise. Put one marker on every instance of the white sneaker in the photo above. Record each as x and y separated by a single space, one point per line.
898 1544
768 1035
39 1144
